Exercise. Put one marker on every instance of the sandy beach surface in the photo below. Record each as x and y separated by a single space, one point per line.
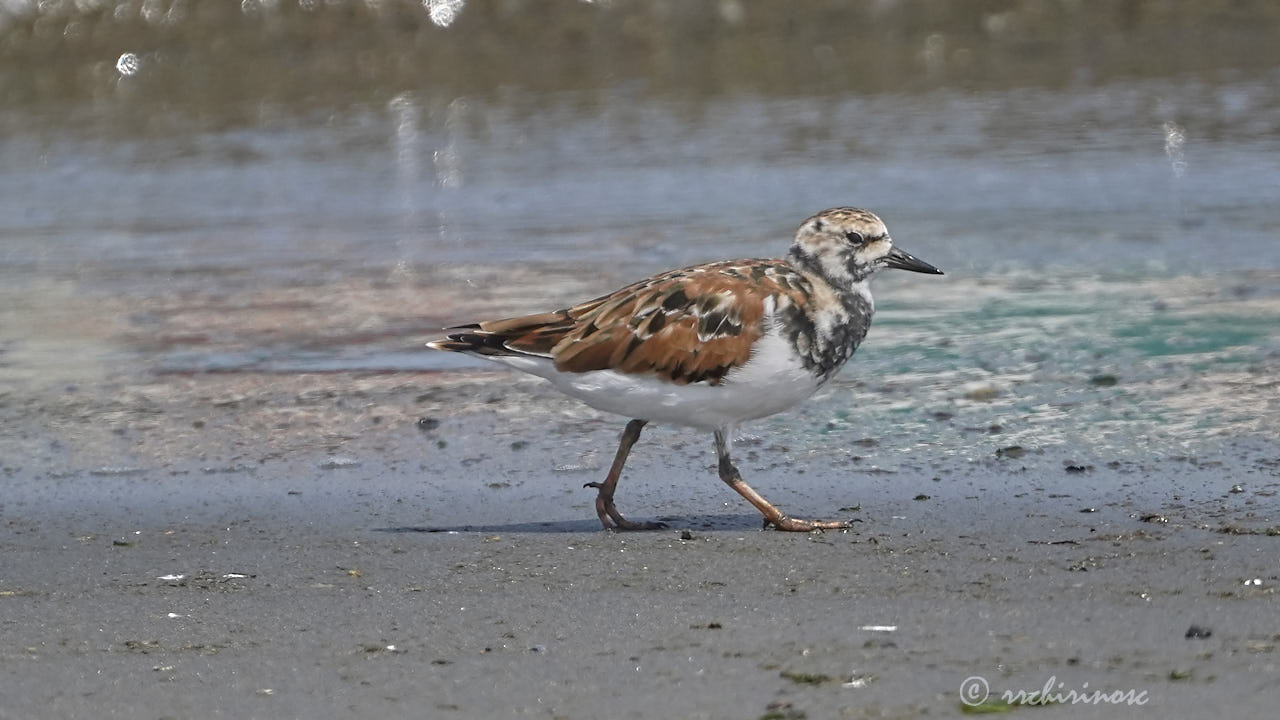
420 546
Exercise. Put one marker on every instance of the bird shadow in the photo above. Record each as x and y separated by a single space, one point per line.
744 521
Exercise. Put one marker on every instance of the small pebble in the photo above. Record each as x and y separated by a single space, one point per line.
981 391
337 463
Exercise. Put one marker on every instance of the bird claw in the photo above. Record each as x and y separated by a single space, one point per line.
609 516
795 525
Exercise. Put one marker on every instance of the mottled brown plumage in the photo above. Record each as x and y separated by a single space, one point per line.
689 325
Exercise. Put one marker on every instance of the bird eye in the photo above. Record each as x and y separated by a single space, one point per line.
854 237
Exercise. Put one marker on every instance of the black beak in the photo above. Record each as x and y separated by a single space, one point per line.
906 261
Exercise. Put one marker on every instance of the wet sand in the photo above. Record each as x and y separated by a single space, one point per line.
246 545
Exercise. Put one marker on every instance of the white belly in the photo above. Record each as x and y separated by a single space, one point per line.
770 382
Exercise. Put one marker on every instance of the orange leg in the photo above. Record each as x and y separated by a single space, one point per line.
772 515
610 518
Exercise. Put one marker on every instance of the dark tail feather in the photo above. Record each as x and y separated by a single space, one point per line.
451 345
480 343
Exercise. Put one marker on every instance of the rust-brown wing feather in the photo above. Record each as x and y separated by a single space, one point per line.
690 325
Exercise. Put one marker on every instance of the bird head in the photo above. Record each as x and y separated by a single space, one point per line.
848 245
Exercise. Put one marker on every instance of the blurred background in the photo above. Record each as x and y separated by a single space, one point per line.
251 193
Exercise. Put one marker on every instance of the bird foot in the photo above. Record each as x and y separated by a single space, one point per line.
609 516
791 524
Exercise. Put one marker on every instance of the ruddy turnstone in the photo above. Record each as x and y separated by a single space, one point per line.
709 346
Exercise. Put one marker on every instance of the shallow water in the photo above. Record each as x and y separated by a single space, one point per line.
1110 240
